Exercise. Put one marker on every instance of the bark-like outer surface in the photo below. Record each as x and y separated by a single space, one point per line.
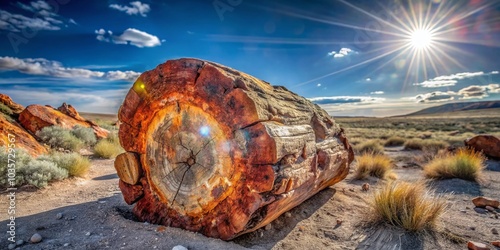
223 153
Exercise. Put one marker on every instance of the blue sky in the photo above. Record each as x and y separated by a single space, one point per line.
372 58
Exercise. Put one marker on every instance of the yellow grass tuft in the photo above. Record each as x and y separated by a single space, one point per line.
370 164
465 164
408 205
108 148
394 141
371 146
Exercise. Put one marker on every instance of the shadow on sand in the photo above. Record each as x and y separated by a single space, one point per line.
282 226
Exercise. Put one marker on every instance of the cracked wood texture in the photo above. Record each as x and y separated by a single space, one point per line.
221 152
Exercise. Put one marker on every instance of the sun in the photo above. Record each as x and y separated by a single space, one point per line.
421 39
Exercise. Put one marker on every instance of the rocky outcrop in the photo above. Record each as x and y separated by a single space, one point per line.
7 101
221 152
36 117
488 144
22 138
70 111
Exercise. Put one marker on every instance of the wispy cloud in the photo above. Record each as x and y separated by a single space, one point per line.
377 93
44 67
129 36
449 80
342 52
44 17
135 8
346 99
436 96
478 91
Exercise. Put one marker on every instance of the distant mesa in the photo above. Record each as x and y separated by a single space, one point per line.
23 123
459 106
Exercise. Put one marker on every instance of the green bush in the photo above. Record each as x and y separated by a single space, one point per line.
21 158
5 109
87 135
419 144
58 137
39 173
74 163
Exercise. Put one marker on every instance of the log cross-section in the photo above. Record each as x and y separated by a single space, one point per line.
221 152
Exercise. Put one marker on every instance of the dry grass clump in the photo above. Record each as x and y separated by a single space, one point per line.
371 146
74 163
109 147
370 164
408 205
465 164
419 144
394 141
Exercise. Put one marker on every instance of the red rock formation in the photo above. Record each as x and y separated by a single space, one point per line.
223 153
35 117
488 144
22 138
7 101
70 111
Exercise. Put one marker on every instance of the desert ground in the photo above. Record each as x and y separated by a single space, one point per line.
90 213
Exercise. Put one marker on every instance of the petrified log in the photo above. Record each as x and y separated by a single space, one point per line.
488 144
7 101
22 138
223 153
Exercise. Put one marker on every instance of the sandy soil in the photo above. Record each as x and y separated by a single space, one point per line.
94 216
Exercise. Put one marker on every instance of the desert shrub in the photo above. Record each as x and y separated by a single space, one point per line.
394 141
109 147
464 164
87 135
58 137
371 146
74 163
40 172
408 205
21 158
370 164
419 144
5 109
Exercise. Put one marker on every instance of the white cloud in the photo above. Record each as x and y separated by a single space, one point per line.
368 79
43 18
377 93
129 36
479 91
449 80
44 67
136 8
341 53
437 83
436 96
346 99
318 85
494 72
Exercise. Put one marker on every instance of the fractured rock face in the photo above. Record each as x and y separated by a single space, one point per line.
488 144
22 138
221 152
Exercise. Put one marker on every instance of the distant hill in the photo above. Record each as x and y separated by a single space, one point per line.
459 106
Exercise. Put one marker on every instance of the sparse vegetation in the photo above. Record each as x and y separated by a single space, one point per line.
370 164
394 141
5 110
419 144
109 147
74 163
58 137
370 146
464 164
87 135
39 173
408 205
